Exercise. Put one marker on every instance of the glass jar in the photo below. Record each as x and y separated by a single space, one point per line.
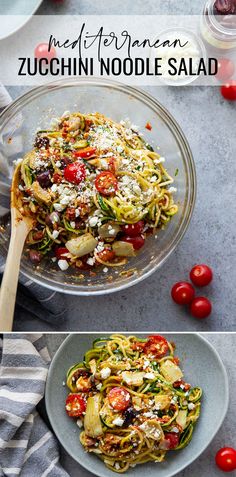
219 31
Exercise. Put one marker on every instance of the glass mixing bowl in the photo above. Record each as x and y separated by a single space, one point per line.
35 109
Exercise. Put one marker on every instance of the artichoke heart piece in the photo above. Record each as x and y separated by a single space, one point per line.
92 421
82 245
170 371
123 249
162 401
40 194
152 429
133 379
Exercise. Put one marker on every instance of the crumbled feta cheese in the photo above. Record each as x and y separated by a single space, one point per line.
191 406
117 465
17 161
63 265
119 149
149 375
79 423
99 386
172 189
77 212
159 160
105 373
93 221
105 270
58 207
118 421
20 187
55 234
54 259
54 188
72 224
58 164
175 429
91 261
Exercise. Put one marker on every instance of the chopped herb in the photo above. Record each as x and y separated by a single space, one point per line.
176 172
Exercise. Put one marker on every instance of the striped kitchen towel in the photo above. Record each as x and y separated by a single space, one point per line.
27 447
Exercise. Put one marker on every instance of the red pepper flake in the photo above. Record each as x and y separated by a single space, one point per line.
148 126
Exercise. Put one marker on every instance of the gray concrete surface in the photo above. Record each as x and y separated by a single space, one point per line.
204 466
208 122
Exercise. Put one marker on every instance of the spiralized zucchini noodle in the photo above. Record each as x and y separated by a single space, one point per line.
97 190
131 400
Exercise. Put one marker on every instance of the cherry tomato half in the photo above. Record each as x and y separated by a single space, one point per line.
106 255
182 293
75 405
228 90
137 242
226 459
226 69
85 153
41 51
75 172
157 346
132 230
60 252
106 183
200 307
201 275
119 398
172 439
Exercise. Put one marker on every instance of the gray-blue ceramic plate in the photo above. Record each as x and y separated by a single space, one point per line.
202 366
18 13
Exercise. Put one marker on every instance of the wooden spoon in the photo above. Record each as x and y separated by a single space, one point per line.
21 224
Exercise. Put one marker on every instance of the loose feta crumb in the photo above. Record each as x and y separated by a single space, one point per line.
79 423
119 149
105 373
191 406
20 187
72 224
91 261
118 421
18 161
93 221
58 164
55 234
175 429
159 160
105 270
172 189
63 265
149 375
54 188
117 465
99 386
54 259
58 207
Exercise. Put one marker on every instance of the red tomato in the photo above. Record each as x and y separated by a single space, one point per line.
41 51
57 178
132 230
225 69
85 153
182 293
228 90
148 126
106 183
157 346
201 275
137 242
60 252
226 459
173 439
200 307
106 255
75 405
112 165
75 172
119 398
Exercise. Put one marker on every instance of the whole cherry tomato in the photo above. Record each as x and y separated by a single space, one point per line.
137 242
119 398
60 252
200 307
106 183
157 346
183 293
75 405
201 275
172 439
226 459
226 69
85 153
228 90
41 51
132 230
75 172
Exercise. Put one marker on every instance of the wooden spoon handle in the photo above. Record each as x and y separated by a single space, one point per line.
10 277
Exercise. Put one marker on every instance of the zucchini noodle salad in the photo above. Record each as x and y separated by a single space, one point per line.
130 398
96 188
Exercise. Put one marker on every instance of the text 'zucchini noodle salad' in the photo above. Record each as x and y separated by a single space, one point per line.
96 188
131 400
